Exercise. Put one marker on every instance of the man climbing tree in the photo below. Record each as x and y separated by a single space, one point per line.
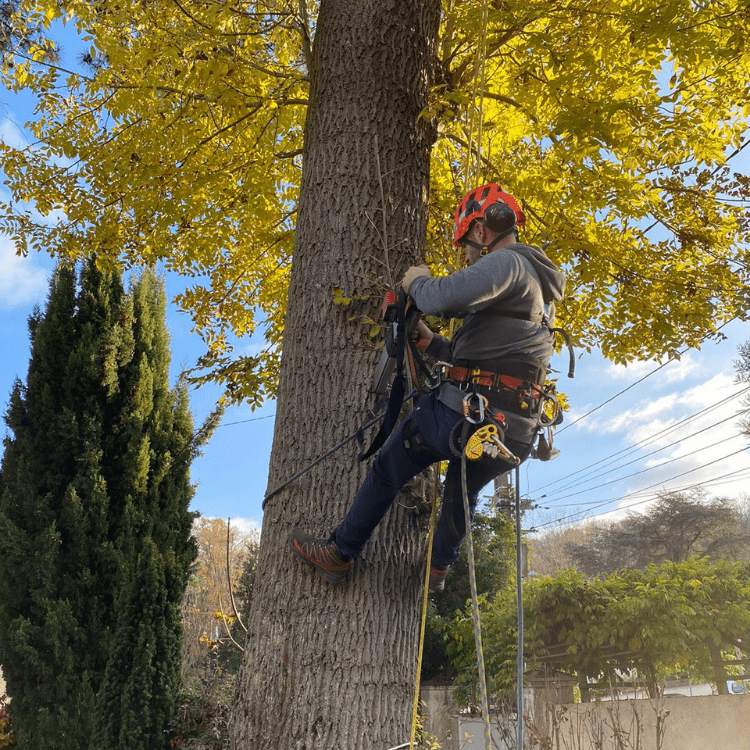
506 296
198 130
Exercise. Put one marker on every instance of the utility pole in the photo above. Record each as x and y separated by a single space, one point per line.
503 499
504 495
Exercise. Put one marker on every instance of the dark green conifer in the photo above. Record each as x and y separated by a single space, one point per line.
95 541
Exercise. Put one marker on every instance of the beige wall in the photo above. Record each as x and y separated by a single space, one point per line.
712 722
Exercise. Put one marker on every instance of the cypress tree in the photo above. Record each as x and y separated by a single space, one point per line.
95 543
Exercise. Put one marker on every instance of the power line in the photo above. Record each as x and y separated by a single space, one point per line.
656 484
732 475
648 455
658 466
724 479
647 440
617 395
647 375
245 421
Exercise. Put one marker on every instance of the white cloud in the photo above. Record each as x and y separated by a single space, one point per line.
674 372
679 370
246 526
713 390
630 421
22 281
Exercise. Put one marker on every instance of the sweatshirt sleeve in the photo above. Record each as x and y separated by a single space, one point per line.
468 290
439 348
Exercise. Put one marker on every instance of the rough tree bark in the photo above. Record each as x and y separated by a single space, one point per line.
330 666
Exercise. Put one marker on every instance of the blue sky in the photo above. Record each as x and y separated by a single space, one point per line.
630 432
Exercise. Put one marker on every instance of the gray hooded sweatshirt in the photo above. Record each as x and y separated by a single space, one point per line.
515 278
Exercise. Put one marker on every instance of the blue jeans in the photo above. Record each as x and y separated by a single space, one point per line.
422 439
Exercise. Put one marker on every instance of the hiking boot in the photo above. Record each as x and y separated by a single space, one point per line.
437 578
322 554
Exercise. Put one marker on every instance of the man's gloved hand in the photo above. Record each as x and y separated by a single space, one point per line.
412 273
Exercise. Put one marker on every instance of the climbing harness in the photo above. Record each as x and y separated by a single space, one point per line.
402 317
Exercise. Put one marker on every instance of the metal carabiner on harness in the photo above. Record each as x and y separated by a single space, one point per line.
474 415
549 410
550 415
437 374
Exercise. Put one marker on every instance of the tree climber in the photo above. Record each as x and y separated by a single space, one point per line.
505 295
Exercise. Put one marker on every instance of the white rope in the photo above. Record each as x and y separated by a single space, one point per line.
519 604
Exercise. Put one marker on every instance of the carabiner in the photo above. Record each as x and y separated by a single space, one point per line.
437 372
482 404
543 419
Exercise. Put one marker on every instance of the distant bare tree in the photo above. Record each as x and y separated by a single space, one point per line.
208 599
548 550
676 527
742 366
742 508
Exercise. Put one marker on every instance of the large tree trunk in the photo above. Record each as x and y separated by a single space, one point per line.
329 666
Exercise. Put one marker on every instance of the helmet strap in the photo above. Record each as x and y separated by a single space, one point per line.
486 249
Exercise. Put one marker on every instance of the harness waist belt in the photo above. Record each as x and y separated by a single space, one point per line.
489 379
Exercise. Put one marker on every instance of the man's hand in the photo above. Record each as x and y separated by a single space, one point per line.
412 273
422 336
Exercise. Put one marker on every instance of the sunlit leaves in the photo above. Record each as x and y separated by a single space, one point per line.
180 142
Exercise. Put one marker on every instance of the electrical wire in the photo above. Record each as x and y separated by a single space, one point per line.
617 395
647 440
245 421
683 439
645 377
650 454
650 498
649 468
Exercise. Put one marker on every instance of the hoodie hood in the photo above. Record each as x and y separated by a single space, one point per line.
551 278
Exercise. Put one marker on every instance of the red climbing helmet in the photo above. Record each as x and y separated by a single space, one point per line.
474 205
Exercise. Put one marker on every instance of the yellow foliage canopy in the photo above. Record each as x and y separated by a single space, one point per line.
180 141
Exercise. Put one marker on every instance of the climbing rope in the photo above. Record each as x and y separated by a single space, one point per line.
476 111
425 595
519 607
335 449
475 609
